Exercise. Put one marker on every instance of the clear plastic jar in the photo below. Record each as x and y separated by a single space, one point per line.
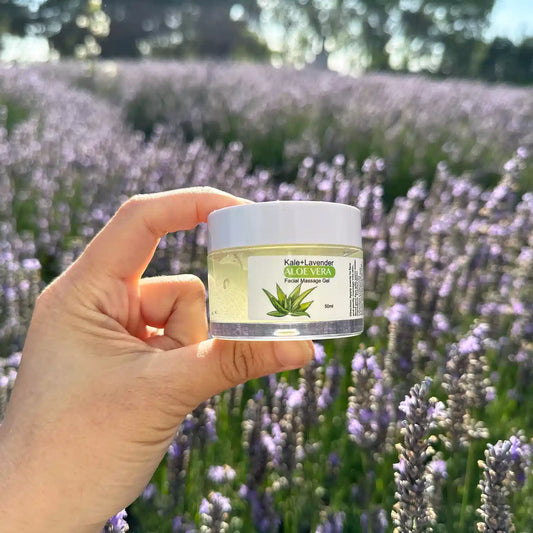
282 270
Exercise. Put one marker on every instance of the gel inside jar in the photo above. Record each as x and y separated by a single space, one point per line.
285 270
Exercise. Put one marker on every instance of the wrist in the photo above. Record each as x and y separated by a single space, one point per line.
30 500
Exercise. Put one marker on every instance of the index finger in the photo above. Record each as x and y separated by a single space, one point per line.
124 247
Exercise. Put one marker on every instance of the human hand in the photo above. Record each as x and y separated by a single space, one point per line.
99 397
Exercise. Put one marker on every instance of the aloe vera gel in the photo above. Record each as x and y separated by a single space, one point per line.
285 270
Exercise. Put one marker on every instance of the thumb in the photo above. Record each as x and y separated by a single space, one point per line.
199 371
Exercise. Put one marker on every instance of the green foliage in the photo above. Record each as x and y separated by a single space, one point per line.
12 111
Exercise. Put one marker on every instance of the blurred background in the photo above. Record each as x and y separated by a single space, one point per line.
417 111
485 39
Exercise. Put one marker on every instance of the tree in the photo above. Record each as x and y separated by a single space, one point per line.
504 61
129 28
12 17
376 34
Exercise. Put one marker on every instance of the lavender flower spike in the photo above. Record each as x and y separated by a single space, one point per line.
331 523
413 511
214 513
497 484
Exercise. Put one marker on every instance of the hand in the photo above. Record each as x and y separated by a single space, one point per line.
99 397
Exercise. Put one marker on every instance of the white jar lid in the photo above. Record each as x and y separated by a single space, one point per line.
284 222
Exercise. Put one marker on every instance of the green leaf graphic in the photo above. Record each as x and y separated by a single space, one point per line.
275 303
294 294
281 295
300 313
277 313
305 306
293 304
296 303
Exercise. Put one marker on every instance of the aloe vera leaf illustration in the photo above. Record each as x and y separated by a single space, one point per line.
295 304
305 306
275 303
300 313
277 313
281 295
294 294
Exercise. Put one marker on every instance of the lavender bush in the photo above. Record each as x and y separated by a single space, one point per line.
284 115
358 440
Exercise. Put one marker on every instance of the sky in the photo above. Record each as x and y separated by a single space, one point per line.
512 19
509 18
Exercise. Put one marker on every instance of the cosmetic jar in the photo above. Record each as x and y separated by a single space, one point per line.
285 270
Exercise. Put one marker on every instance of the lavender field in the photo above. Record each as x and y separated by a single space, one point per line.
425 422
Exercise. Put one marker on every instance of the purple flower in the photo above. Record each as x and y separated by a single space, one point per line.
294 398
373 331
243 491
397 312
331 523
413 510
117 524
174 449
358 362
31 264
334 460
370 409
176 524
220 501
149 492
469 344
320 353
221 474
438 467
204 507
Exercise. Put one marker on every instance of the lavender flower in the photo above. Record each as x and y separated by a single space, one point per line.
257 443
402 327
117 524
310 387
468 387
520 453
331 388
496 486
370 409
214 513
413 511
331 523
374 522
176 524
178 458
221 474
264 516
437 476
149 492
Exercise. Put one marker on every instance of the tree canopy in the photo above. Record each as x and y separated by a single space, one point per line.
377 34
442 37
130 28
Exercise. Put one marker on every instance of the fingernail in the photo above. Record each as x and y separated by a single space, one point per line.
294 354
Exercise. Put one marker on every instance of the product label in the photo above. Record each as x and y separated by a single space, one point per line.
301 288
